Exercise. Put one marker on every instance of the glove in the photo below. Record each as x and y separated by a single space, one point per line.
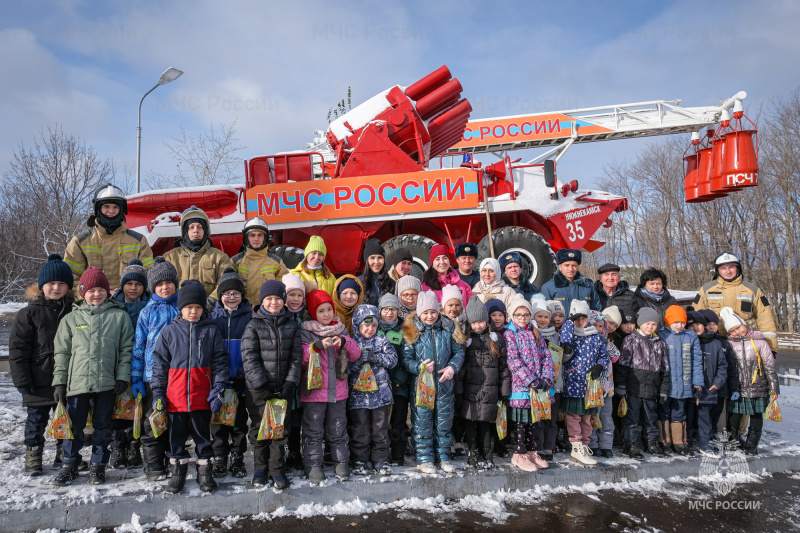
663 398
596 371
120 387
25 390
216 398
262 395
239 384
619 391
211 303
159 404
365 356
137 388
735 396
697 391
60 393
567 350
287 392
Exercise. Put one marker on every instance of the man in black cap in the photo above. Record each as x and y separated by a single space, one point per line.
612 290
568 284
466 253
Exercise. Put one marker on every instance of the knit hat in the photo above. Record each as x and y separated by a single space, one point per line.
408 283
272 287
695 317
476 311
577 309
539 305
373 247
608 267
192 292
92 277
348 283
134 272
293 282
596 316
519 301
645 315
450 292
674 313
494 304
710 316
628 316
494 264
507 259
426 301
230 281
400 255
315 299
730 319
315 244
388 300
468 249
162 270
440 249
567 254
556 307
55 269
612 314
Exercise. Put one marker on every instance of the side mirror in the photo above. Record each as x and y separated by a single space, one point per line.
550 173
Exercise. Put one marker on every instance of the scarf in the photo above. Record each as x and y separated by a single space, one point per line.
386 326
548 331
334 329
498 283
267 313
585 332
298 310
404 311
171 300
655 296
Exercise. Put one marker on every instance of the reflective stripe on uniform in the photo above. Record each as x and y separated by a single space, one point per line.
244 269
147 262
75 267
92 249
130 248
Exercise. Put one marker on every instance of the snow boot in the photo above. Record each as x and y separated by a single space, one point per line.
118 458
33 461
179 470
523 462
751 444
220 466
134 455
342 471
664 437
316 476
632 451
360 468
281 482
97 474
547 455
447 467
59 455
655 449
259 478
582 455
204 477
606 453
67 473
427 468
383 469
237 465
154 468
488 460
678 430
473 459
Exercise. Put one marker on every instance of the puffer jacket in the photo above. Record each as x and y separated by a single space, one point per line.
623 297
452 278
643 367
497 290
206 265
93 348
231 326
155 316
563 291
255 267
484 377
587 352
401 379
271 351
685 362
133 308
333 389
529 360
756 365
345 313
31 345
643 299
188 361
525 287
323 283
382 358
551 336
715 367
732 383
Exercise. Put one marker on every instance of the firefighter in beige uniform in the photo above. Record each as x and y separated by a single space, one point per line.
108 244
193 256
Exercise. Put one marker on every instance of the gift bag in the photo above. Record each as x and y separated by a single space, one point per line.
557 355
596 423
226 416
365 382
426 390
501 421
90 416
273 419
124 406
594 393
158 422
314 371
137 417
773 411
540 405
561 415
622 409
60 426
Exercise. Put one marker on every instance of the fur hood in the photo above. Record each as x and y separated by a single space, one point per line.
413 328
34 294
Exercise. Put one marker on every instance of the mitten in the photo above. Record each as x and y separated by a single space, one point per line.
262 395
342 362
596 371
60 393
697 391
120 387
211 303
735 396
216 403
159 404
366 355
663 398
287 392
138 388
620 391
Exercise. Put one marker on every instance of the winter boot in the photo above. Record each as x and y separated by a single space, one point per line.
630 450
342 471
59 455
606 453
360 468
383 469
154 467
237 465
582 455
33 461
134 455
294 460
427 468
119 457
281 482
447 467
678 430
751 444
97 474
179 470
220 466
67 473
260 478
664 436
540 463
523 462
655 449
488 460
473 459
204 477
316 476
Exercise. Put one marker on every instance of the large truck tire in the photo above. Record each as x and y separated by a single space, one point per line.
538 260
291 255
419 246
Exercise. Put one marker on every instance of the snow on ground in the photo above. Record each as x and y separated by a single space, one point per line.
11 307
789 341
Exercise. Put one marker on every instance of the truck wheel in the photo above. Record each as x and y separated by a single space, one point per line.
538 260
419 246
291 255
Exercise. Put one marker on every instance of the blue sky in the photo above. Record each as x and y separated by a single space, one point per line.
276 68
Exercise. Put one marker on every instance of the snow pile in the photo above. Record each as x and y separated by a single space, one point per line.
11 307
360 116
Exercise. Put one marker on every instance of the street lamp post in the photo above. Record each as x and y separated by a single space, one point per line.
171 74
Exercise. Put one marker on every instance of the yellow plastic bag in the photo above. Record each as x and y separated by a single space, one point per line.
158 422
594 393
89 416
561 415
426 390
60 426
272 420
124 406
365 382
314 370
622 409
596 423
501 421
137 417
540 405
773 411
557 355
226 416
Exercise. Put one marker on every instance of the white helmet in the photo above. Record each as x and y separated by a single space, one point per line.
726 257
256 223
110 194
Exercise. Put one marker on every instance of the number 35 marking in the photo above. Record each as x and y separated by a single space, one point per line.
575 232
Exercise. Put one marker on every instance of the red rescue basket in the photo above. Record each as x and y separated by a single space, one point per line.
704 168
741 152
718 174
690 169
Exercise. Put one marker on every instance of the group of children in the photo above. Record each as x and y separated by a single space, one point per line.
350 373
